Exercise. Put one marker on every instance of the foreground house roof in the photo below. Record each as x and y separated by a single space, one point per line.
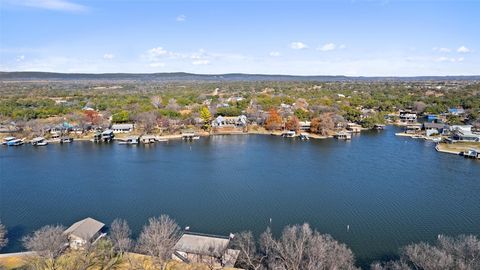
85 228
202 244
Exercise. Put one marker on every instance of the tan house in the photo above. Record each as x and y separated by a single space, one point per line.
84 231
208 249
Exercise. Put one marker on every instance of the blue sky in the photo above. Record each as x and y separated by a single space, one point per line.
357 38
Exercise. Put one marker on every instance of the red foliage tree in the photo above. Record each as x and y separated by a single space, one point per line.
274 120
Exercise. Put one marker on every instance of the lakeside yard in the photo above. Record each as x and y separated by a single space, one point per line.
457 147
128 261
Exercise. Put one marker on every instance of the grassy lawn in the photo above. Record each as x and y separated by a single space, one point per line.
458 146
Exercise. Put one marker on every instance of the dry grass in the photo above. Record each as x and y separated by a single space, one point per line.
458 146
11 262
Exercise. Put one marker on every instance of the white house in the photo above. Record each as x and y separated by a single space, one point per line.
122 128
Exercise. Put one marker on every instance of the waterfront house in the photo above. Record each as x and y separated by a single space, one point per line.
433 128
107 135
413 128
230 121
407 117
122 128
305 125
85 231
208 249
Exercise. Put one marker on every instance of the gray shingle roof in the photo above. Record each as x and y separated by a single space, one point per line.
202 244
85 228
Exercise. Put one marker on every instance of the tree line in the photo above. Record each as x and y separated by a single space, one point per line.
298 247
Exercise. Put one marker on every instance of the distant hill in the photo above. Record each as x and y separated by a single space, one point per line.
181 76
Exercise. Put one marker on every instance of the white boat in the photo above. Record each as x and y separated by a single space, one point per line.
288 134
304 136
130 140
7 139
66 140
39 141
15 142
196 137
343 136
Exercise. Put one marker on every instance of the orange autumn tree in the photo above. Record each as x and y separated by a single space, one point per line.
293 124
323 124
92 117
274 120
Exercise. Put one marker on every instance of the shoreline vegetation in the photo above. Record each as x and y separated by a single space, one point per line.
158 246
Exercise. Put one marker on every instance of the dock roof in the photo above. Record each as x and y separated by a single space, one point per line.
85 228
202 244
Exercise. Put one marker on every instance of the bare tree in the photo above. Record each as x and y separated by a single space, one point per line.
173 105
322 124
419 106
120 235
3 236
48 243
462 252
148 120
250 257
299 247
158 238
156 101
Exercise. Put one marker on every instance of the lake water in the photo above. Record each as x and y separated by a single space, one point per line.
390 190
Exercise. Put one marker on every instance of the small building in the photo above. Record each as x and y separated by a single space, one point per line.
84 231
354 128
107 135
230 121
305 125
433 128
122 128
413 128
208 249
146 139
456 111
343 136
407 117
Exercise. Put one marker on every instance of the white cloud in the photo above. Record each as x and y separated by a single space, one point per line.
343 46
298 45
20 58
442 49
449 59
108 56
157 64
181 18
201 62
60 5
327 47
274 54
463 49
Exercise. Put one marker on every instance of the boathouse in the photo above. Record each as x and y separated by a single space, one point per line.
84 231
203 248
